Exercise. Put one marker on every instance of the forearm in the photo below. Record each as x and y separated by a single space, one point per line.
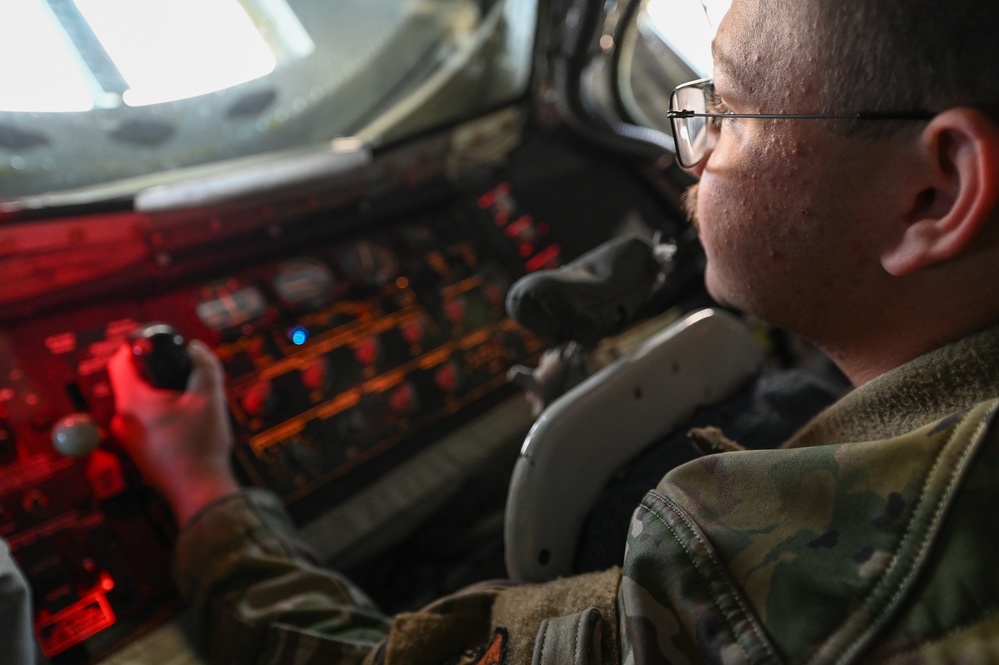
243 572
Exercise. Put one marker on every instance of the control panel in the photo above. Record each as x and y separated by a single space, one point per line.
340 360
349 351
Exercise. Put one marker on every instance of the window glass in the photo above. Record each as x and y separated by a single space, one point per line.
122 94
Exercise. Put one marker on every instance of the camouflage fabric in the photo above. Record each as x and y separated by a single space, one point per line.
818 554
836 548
866 539
258 597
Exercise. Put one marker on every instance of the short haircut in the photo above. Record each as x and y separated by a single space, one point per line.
900 56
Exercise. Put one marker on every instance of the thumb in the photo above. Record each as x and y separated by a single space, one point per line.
206 369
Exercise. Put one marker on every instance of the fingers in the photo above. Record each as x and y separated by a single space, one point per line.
120 367
206 372
128 387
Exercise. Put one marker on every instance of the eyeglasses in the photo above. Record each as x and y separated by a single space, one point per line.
692 118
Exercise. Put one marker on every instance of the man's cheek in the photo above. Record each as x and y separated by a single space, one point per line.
712 203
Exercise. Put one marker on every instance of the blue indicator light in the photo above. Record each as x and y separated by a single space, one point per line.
298 335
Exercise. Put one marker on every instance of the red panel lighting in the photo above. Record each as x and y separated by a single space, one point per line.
546 258
58 632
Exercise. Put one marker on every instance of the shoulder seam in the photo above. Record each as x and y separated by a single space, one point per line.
861 641
709 552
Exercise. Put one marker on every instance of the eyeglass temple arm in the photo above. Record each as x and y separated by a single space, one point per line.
864 115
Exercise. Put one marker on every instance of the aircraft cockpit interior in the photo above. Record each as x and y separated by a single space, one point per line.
387 218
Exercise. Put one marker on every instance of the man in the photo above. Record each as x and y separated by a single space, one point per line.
867 537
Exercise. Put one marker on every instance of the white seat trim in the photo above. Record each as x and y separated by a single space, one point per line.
582 438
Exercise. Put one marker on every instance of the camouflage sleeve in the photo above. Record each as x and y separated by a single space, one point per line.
257 596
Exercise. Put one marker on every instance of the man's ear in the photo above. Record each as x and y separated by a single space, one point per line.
956 191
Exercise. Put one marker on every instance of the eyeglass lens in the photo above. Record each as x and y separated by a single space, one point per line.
691 133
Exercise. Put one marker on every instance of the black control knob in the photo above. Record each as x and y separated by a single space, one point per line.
160 356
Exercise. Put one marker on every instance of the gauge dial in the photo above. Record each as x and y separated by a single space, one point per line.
369 263
228 303
304 282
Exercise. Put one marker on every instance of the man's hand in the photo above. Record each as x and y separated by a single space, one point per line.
179 441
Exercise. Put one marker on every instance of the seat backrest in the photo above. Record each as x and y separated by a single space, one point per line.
582 438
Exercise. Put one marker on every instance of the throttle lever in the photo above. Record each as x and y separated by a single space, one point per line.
160 356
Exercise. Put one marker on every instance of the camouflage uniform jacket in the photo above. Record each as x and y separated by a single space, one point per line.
864 539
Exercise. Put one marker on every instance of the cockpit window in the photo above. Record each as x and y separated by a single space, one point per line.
669 43
687 28
118 95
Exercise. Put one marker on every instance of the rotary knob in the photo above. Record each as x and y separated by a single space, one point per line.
76 435
160 356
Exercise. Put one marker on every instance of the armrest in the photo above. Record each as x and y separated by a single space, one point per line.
583 437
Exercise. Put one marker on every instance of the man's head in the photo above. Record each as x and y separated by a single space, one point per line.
851 232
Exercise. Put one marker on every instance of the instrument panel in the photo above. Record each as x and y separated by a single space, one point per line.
334 358
346 355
